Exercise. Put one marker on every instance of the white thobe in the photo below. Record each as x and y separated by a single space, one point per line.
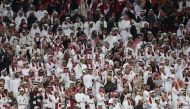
44 32
137 10
90 102
181 33
14 85
186 102
7 82
33 31
66 26
179 71
9 14
17 50
101 100
167 70
22 102
78 69
127 105
137 99
111 40
145 76
66 78
81 99
146 95
130 76
88 30
123 25
24 40
175 97
98 26
49 66
40 14
154 106
97 84
167 84
54 101
119 85
18 20
88 80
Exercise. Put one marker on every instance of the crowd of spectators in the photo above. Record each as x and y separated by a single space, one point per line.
94 54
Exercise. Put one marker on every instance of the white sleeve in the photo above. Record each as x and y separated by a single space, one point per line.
77 98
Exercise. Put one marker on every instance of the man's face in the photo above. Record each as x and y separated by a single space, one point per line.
166 62
20 14
8 8
22 92
1 84
179 61
1 90
89 91
152 94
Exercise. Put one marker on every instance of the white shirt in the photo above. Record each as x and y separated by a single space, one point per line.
33 31
186 102
127 105
145 76
22 102
167 70
101 100
18 20
123 26
8 13
54 100
98 26
87 79
181 33
78 70
66 78
14 84
40 14
81 99
90 102
7 82
88 30
111 40
137 99
130 76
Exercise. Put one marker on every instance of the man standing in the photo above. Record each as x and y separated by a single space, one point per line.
184 100
88 79
22 100
80 98
124 27
90 99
